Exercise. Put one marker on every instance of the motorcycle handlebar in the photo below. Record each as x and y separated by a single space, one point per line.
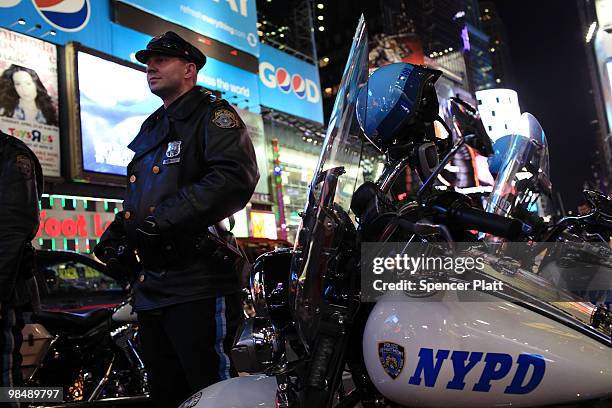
455 210
472 218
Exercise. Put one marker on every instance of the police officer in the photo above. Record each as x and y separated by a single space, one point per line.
21 185
194 165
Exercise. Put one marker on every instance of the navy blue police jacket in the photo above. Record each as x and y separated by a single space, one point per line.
193 165
21 186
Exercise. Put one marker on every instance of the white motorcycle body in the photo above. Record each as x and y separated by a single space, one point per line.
477 352
125 314
240 392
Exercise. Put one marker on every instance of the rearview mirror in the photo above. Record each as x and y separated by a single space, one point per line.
468 125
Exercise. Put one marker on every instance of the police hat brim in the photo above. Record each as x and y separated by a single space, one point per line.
143 55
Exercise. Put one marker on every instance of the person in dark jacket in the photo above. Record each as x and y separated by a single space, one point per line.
194 165
21 185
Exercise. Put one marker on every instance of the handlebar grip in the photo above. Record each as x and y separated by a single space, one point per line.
472 218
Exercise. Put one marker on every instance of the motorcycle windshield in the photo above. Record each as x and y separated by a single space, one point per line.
522 165
342 144
342 167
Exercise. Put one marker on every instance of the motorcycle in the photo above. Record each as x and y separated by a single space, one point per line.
95 356
577 255
523 189
318 340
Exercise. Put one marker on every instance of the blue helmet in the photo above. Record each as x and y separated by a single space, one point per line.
397 103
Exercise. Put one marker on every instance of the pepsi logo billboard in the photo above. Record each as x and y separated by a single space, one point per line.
289 84
65 15
61 21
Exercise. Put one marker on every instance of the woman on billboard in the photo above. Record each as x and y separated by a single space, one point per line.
23 96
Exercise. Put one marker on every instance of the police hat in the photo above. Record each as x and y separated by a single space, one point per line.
171 44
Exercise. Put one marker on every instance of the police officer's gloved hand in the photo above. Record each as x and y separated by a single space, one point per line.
149 235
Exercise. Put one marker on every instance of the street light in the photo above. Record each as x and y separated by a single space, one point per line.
36 27
21 21
52 33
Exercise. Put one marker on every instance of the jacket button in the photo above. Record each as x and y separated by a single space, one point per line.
155 169
152 209
127 215
132 178
141 278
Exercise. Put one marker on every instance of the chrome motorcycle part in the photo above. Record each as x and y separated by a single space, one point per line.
269 286
257 347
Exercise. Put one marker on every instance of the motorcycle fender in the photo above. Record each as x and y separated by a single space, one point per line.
125 314
241 392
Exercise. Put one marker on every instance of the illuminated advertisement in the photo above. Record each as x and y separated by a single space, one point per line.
602 44
233 22
609 71
603 53
263 224
60 21
29 96
111 112
499 110
467 168
238 86
289 84
388 49
255 125
74 223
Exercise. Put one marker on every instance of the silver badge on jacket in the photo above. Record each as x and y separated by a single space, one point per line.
173 150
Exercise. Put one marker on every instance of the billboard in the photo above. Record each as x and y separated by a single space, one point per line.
29 96
89 23
255 125
388 49
499 110
289 84
263 224
111 112
238 86
60 21
233 22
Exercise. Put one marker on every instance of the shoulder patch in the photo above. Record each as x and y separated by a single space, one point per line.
24 165
225 118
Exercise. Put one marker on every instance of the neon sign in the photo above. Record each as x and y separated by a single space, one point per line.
76 226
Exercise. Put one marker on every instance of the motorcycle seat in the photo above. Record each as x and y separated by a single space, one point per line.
71 322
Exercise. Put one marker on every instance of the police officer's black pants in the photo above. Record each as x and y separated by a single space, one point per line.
11 324
186 347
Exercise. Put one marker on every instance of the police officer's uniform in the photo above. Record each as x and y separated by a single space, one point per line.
194 165
21 184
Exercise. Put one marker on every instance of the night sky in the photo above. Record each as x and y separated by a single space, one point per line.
553 83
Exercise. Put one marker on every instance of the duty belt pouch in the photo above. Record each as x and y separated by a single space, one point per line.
222 250
27 273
